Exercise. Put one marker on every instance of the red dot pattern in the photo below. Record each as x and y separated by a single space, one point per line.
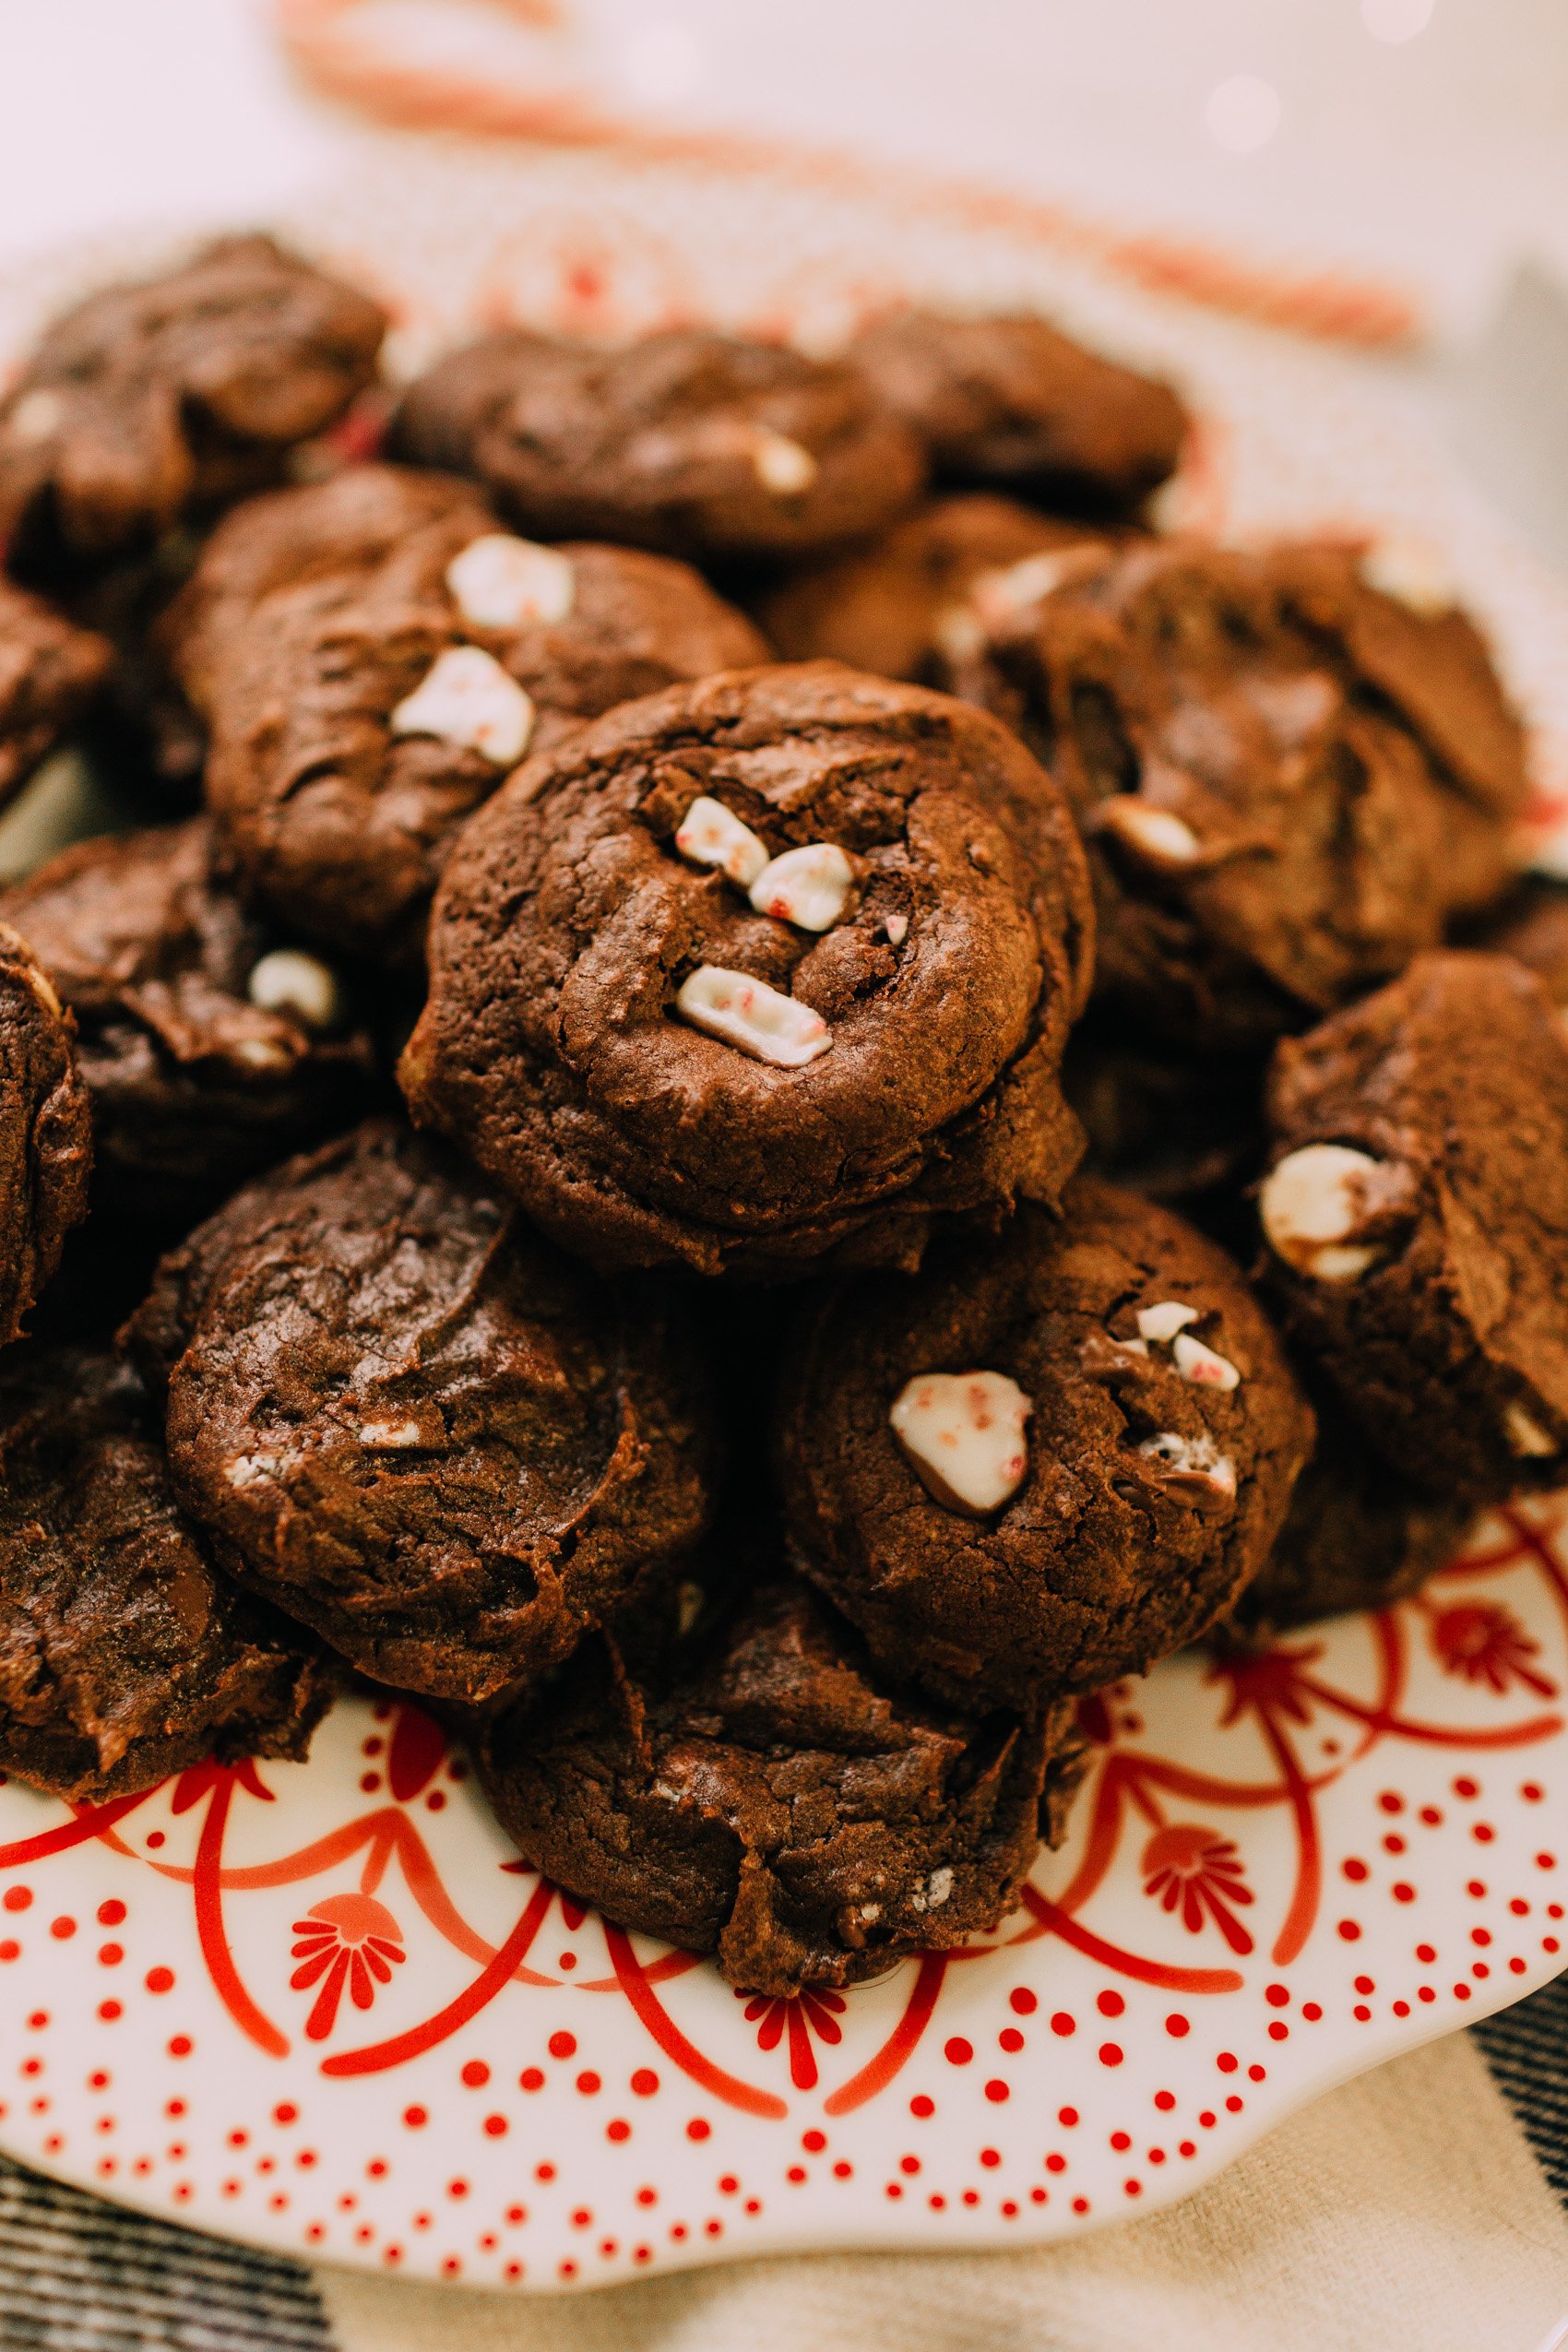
1156 2080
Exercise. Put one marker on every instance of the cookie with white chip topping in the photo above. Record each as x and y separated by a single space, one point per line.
46 1131
1289 783
152 402
372 655
1010 402
918 596
1047 1460
680 1040
211 1044
1415 1220
411 1423
758 1790
690 441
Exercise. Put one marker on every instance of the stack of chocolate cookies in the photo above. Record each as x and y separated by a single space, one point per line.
725 960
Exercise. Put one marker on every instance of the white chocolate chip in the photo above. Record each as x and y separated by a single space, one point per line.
958 633
747 1013
469 700
1412 572
288 980
1158 837
389 1434
37 416
783 465
499 582
262 1053
711 834
250 1469
1314 1200
897 930
1161 1323
1202 1366
1005 596
1191 1457
964 1434
939 1886
1526 1437
869 1913
806 886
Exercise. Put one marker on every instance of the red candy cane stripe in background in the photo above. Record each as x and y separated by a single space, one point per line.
531 81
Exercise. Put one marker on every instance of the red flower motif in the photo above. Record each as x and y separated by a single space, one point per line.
199 1780
1487 1644
804 2014
1198 1870
1269 1681
348 1940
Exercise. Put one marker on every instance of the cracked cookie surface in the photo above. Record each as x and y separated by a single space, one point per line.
1164 1434
124 1656
412 1424
760 1792
564 1045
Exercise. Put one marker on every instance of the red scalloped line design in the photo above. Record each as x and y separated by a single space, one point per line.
457 2012
656 2020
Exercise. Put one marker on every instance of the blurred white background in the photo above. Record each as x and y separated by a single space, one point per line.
1427 140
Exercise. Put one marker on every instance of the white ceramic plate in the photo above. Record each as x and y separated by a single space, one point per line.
323 2008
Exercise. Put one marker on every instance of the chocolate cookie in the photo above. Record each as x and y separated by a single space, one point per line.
1289 782
688 440
45 1131
1416 1214
209 1046
123 1657
759 971
409 1423
1357 1536
1173 1126
376 652
910 602
50 671
764 1794
150 402
1532 925
1012 402
1047 1462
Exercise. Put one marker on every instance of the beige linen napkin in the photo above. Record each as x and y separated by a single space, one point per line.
1400 2214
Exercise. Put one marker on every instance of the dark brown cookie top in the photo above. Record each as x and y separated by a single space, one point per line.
1356 1535
364 702
1013 401
1531 924
123 1657
50 671
45 1131
760 969
688 440
1416 1218
901 607
1047 1462
1289 782
152 402
209 1044
1174 1126
767 1794
412 1424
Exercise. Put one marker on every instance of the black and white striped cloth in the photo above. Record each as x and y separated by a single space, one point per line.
78 2275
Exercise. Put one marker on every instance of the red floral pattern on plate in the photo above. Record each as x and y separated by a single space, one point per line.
1281 1866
